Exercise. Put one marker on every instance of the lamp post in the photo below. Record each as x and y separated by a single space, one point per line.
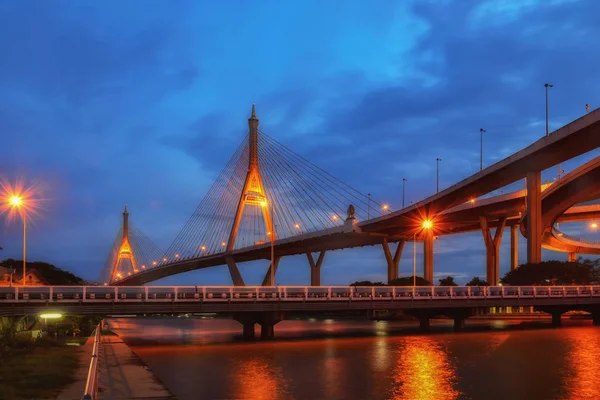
18 203
481 131
437 174
403 190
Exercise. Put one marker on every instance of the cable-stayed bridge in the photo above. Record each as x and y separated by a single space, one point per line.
269 202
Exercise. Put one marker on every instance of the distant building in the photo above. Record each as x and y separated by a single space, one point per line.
32 278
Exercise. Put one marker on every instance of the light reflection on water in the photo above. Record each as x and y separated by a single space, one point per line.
200 359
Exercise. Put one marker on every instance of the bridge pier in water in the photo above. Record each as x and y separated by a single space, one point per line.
267 321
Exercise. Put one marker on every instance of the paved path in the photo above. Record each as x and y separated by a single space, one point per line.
123 376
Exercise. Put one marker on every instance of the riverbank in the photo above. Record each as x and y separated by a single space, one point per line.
122 375
39 371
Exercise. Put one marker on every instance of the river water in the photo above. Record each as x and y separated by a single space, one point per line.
338 359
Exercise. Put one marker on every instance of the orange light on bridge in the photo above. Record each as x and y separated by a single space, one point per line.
129 273
427 224
594 225
472 201
297 226
177 255
385 207
16 201
143 267
223 244
334 217
165 259
203 248
154 262
263 203
105 284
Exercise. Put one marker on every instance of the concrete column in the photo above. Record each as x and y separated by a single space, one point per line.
267 280
556 314
514 247
534 217
392 262
315 268
459 323
424 324
248 330
236 277
572 257
428 256
492 246
267 331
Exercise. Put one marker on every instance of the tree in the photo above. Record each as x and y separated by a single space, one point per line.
367 283
554 273
476 281
448 281
408 281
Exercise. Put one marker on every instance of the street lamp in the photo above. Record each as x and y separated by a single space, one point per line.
481 131
18 203
403 189
425 225
437 174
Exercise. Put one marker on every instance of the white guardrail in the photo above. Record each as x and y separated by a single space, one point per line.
98 294
91 384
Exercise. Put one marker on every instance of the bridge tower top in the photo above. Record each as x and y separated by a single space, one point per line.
125 224
253 138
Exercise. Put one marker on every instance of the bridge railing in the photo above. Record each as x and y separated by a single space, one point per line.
83 294
574 238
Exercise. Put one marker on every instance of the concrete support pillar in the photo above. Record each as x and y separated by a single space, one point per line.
236 277
424 324
514 247
428 256
459 323
315 268
492 246
534 217
267 281
392 262
249 330
572 257
267 331
556 314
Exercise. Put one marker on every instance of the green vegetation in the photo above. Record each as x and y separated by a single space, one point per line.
582 272
52 274
448 281
406 281
37 371
476 281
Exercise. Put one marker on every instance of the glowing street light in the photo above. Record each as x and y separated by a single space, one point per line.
17 202
594 225
385 207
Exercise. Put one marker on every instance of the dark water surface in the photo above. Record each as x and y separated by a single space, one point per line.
201 359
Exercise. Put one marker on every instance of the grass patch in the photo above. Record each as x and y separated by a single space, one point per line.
40 372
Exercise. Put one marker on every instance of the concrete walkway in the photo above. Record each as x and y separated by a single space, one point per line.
123 376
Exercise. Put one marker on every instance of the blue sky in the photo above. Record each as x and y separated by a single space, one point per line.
143 102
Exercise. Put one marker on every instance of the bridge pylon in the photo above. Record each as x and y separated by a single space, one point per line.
125 258
253 192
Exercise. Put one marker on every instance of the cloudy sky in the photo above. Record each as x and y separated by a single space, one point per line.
143 102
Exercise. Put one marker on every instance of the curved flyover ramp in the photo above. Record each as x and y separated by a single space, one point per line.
579 186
